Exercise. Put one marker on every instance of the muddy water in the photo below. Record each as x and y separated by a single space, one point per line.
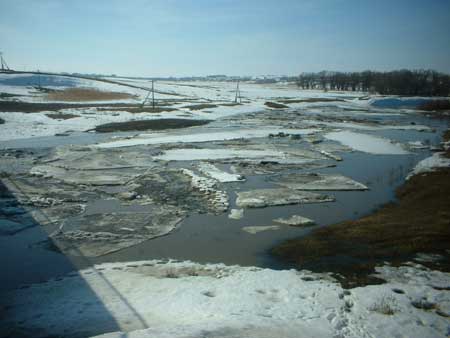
207 238
214 239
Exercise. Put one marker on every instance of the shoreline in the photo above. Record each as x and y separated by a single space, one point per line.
417 223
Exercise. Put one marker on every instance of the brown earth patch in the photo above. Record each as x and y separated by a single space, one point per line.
200 106
30 107
60 116
156 124
434 105
418 222
137 110
231 104
446 136
86 94
275 105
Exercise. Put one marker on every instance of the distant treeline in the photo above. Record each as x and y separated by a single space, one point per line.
399 82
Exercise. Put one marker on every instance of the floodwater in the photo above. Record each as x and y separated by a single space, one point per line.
207 238
38 80
214 239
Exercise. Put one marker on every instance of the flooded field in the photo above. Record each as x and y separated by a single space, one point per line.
217 193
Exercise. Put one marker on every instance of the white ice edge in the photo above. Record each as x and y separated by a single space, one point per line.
429 164
146 139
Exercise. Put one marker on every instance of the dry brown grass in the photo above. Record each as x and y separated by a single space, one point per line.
137 110
154 124
435 105
86 94
201 106
446 136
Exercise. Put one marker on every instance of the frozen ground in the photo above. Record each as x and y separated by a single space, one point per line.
184 299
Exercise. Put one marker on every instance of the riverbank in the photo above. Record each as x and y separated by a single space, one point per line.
417 223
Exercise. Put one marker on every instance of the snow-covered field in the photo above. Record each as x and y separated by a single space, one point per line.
184 299
179 94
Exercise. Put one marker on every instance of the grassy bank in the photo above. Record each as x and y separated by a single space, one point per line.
419 222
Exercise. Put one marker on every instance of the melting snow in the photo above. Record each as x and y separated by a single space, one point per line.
157 299
437 160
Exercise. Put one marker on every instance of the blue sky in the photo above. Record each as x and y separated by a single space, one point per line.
246 37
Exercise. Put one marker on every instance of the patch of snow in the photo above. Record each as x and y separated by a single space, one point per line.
27 125
417 145
184 299
435 161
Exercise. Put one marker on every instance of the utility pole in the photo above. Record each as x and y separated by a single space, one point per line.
146 98
148 94
4 65
39 79
153 94
238 93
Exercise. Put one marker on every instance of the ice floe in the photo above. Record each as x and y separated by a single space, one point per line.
270 197
295 220
198 137
366 143
189 154
255 229
314 181
236 213
207 186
